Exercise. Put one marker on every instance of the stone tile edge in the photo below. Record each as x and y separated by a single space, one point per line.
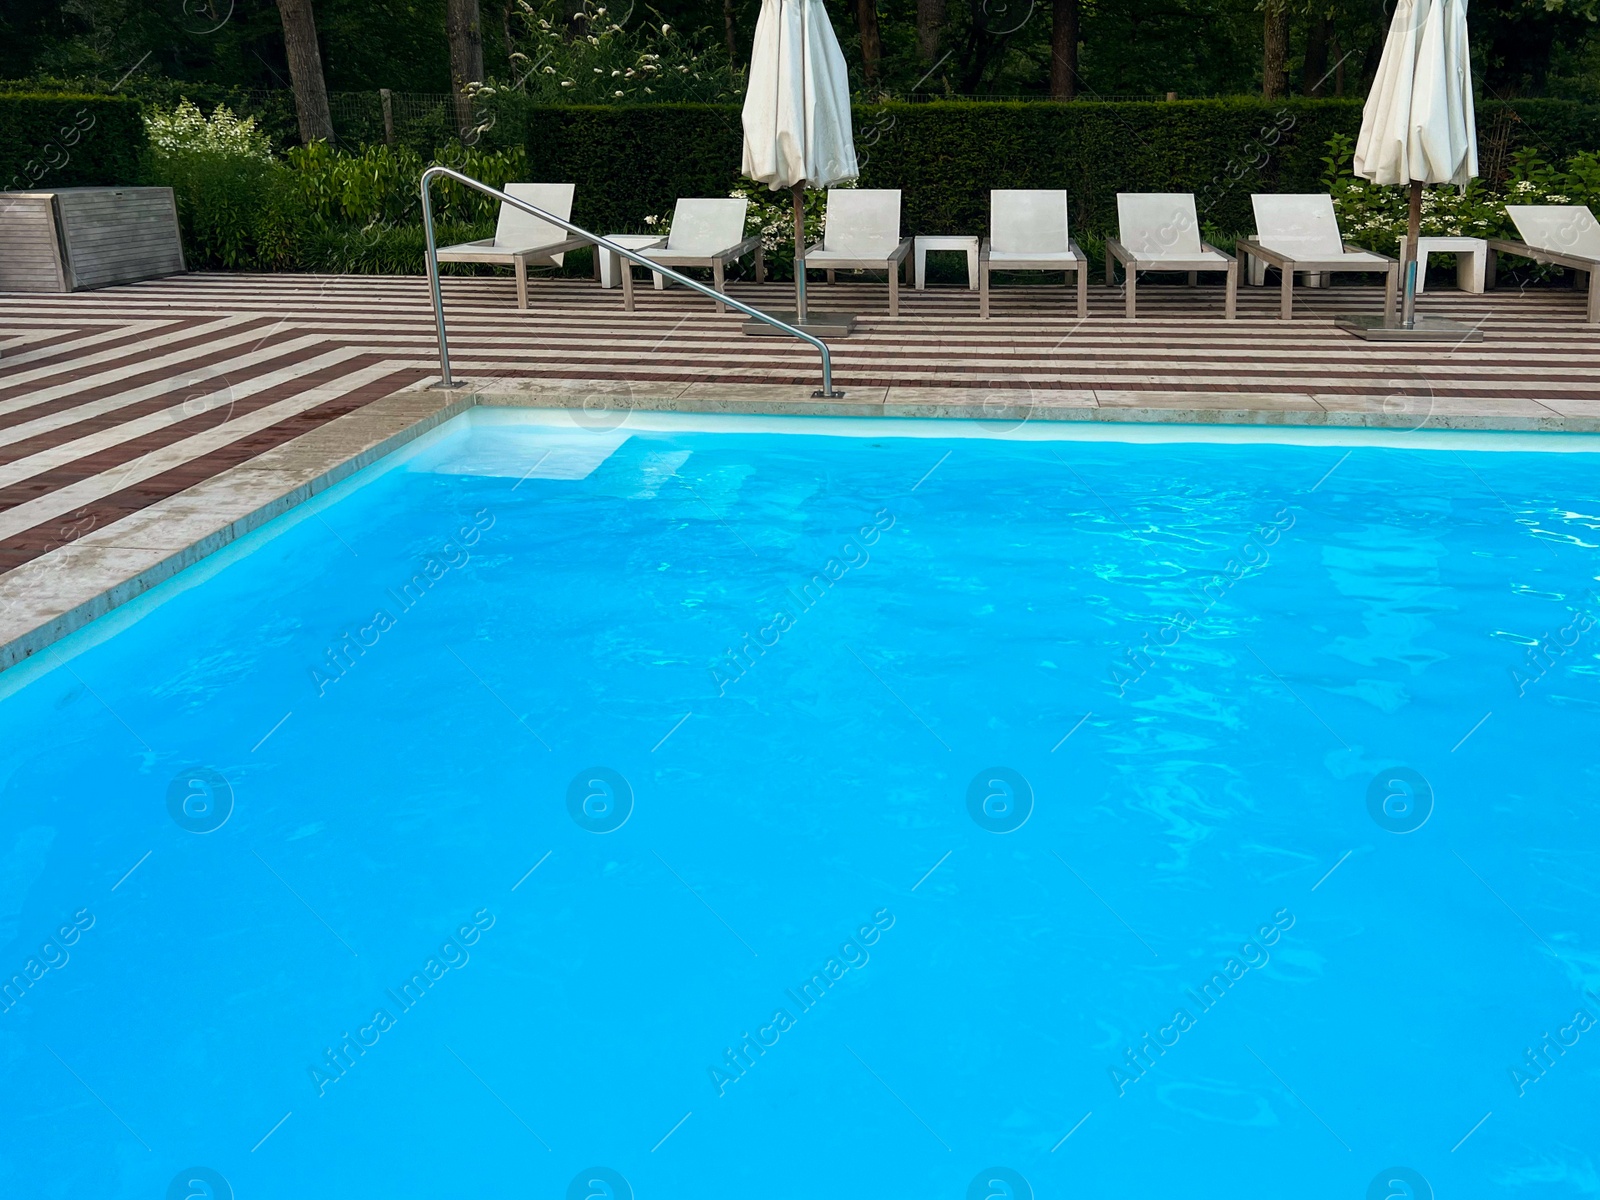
52 630
1245 414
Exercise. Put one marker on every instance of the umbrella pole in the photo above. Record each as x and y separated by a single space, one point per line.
1408 307
800 253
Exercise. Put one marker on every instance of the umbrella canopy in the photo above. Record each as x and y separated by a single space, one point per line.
797 112
797 108
1419 125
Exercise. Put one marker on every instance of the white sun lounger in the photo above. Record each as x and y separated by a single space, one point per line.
1028 232
1563 235
521 239
863 234
1299 233
705 233
1158 231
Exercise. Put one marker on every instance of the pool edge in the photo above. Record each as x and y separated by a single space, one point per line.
106 568
103 570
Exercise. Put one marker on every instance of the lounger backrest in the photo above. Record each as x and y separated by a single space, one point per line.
864 222
517 228
1300 226
1028 222
1158 224
1560 228
706 227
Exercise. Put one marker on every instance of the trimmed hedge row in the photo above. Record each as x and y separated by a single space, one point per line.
631 161
53 141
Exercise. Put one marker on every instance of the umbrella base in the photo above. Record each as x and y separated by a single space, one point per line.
817 324
1426 329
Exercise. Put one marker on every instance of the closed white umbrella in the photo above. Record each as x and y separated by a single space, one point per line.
1419 126
797 111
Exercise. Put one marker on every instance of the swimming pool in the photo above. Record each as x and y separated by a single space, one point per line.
689 808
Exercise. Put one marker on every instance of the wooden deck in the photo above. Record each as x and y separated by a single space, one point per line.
113 400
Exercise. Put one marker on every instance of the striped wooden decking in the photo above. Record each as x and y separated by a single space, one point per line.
112 400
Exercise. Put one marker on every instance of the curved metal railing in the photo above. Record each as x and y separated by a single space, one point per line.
633 256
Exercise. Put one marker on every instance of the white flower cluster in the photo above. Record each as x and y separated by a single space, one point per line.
186 130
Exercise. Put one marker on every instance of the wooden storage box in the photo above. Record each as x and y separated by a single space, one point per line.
78 238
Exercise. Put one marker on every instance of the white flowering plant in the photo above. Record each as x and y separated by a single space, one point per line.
186 130
599 56
1376 216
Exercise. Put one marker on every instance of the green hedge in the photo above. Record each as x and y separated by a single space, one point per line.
53 141
630 161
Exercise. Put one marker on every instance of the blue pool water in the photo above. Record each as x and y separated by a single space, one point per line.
558 811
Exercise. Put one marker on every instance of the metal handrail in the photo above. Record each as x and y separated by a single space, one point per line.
633 256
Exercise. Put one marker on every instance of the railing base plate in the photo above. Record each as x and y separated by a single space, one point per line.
817 324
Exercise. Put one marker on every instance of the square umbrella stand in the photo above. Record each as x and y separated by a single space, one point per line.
1410 327
821 325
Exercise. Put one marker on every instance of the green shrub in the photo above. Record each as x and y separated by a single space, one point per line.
381 184
65 140
317 208
383 249
632 160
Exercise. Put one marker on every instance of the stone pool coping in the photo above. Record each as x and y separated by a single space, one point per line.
58 593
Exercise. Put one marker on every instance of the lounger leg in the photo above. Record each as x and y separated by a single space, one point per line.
1111 273
594 257
894 290
983 291
761 266
1130 284
1231 306
1594 300
521 268
1490 268
1083 290
1286 297
718 283
830 276
627 285
1194 278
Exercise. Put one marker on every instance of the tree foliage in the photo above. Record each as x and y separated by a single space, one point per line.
959 47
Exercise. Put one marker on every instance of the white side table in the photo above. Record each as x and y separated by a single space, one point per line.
611 264
1474 258
947 242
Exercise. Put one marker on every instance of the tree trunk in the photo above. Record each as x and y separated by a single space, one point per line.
1314 76
730 32
871 44
507 36
930 25
305 71
1064 50
1275 59
464 28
